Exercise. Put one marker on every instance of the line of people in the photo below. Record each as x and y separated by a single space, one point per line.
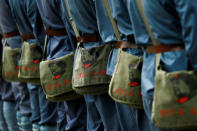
92 64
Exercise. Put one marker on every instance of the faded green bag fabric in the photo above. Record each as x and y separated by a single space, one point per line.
175 98
10 67
89 75
125 86
56 78
29 64
72 95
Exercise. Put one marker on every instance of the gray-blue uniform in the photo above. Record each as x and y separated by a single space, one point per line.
90 18
8 25
72 114
44 113
121 12
3 125
172 22
6 103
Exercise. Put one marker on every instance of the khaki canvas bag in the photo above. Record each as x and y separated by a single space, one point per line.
89 73
31 57
175 97
56 78
174 104
125 86
10 67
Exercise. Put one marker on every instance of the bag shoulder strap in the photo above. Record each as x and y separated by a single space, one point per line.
44 49
71 19
114 25
147 25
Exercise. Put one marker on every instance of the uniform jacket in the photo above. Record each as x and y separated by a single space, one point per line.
53 14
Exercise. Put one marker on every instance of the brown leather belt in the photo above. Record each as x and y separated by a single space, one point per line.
56 32
96 38
125 44
27 37
11 34
90 38
164 48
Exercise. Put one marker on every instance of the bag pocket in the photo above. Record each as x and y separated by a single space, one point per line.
56 78
174 104
125 86
89 75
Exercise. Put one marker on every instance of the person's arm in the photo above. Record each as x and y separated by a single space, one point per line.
187 10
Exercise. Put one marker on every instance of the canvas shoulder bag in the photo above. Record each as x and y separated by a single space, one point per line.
174 104
125 86
175 97
89 73
10 67
56 77
90 70
31 57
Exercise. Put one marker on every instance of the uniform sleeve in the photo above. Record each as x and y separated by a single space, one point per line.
7 22
164 23
84 16
187 10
